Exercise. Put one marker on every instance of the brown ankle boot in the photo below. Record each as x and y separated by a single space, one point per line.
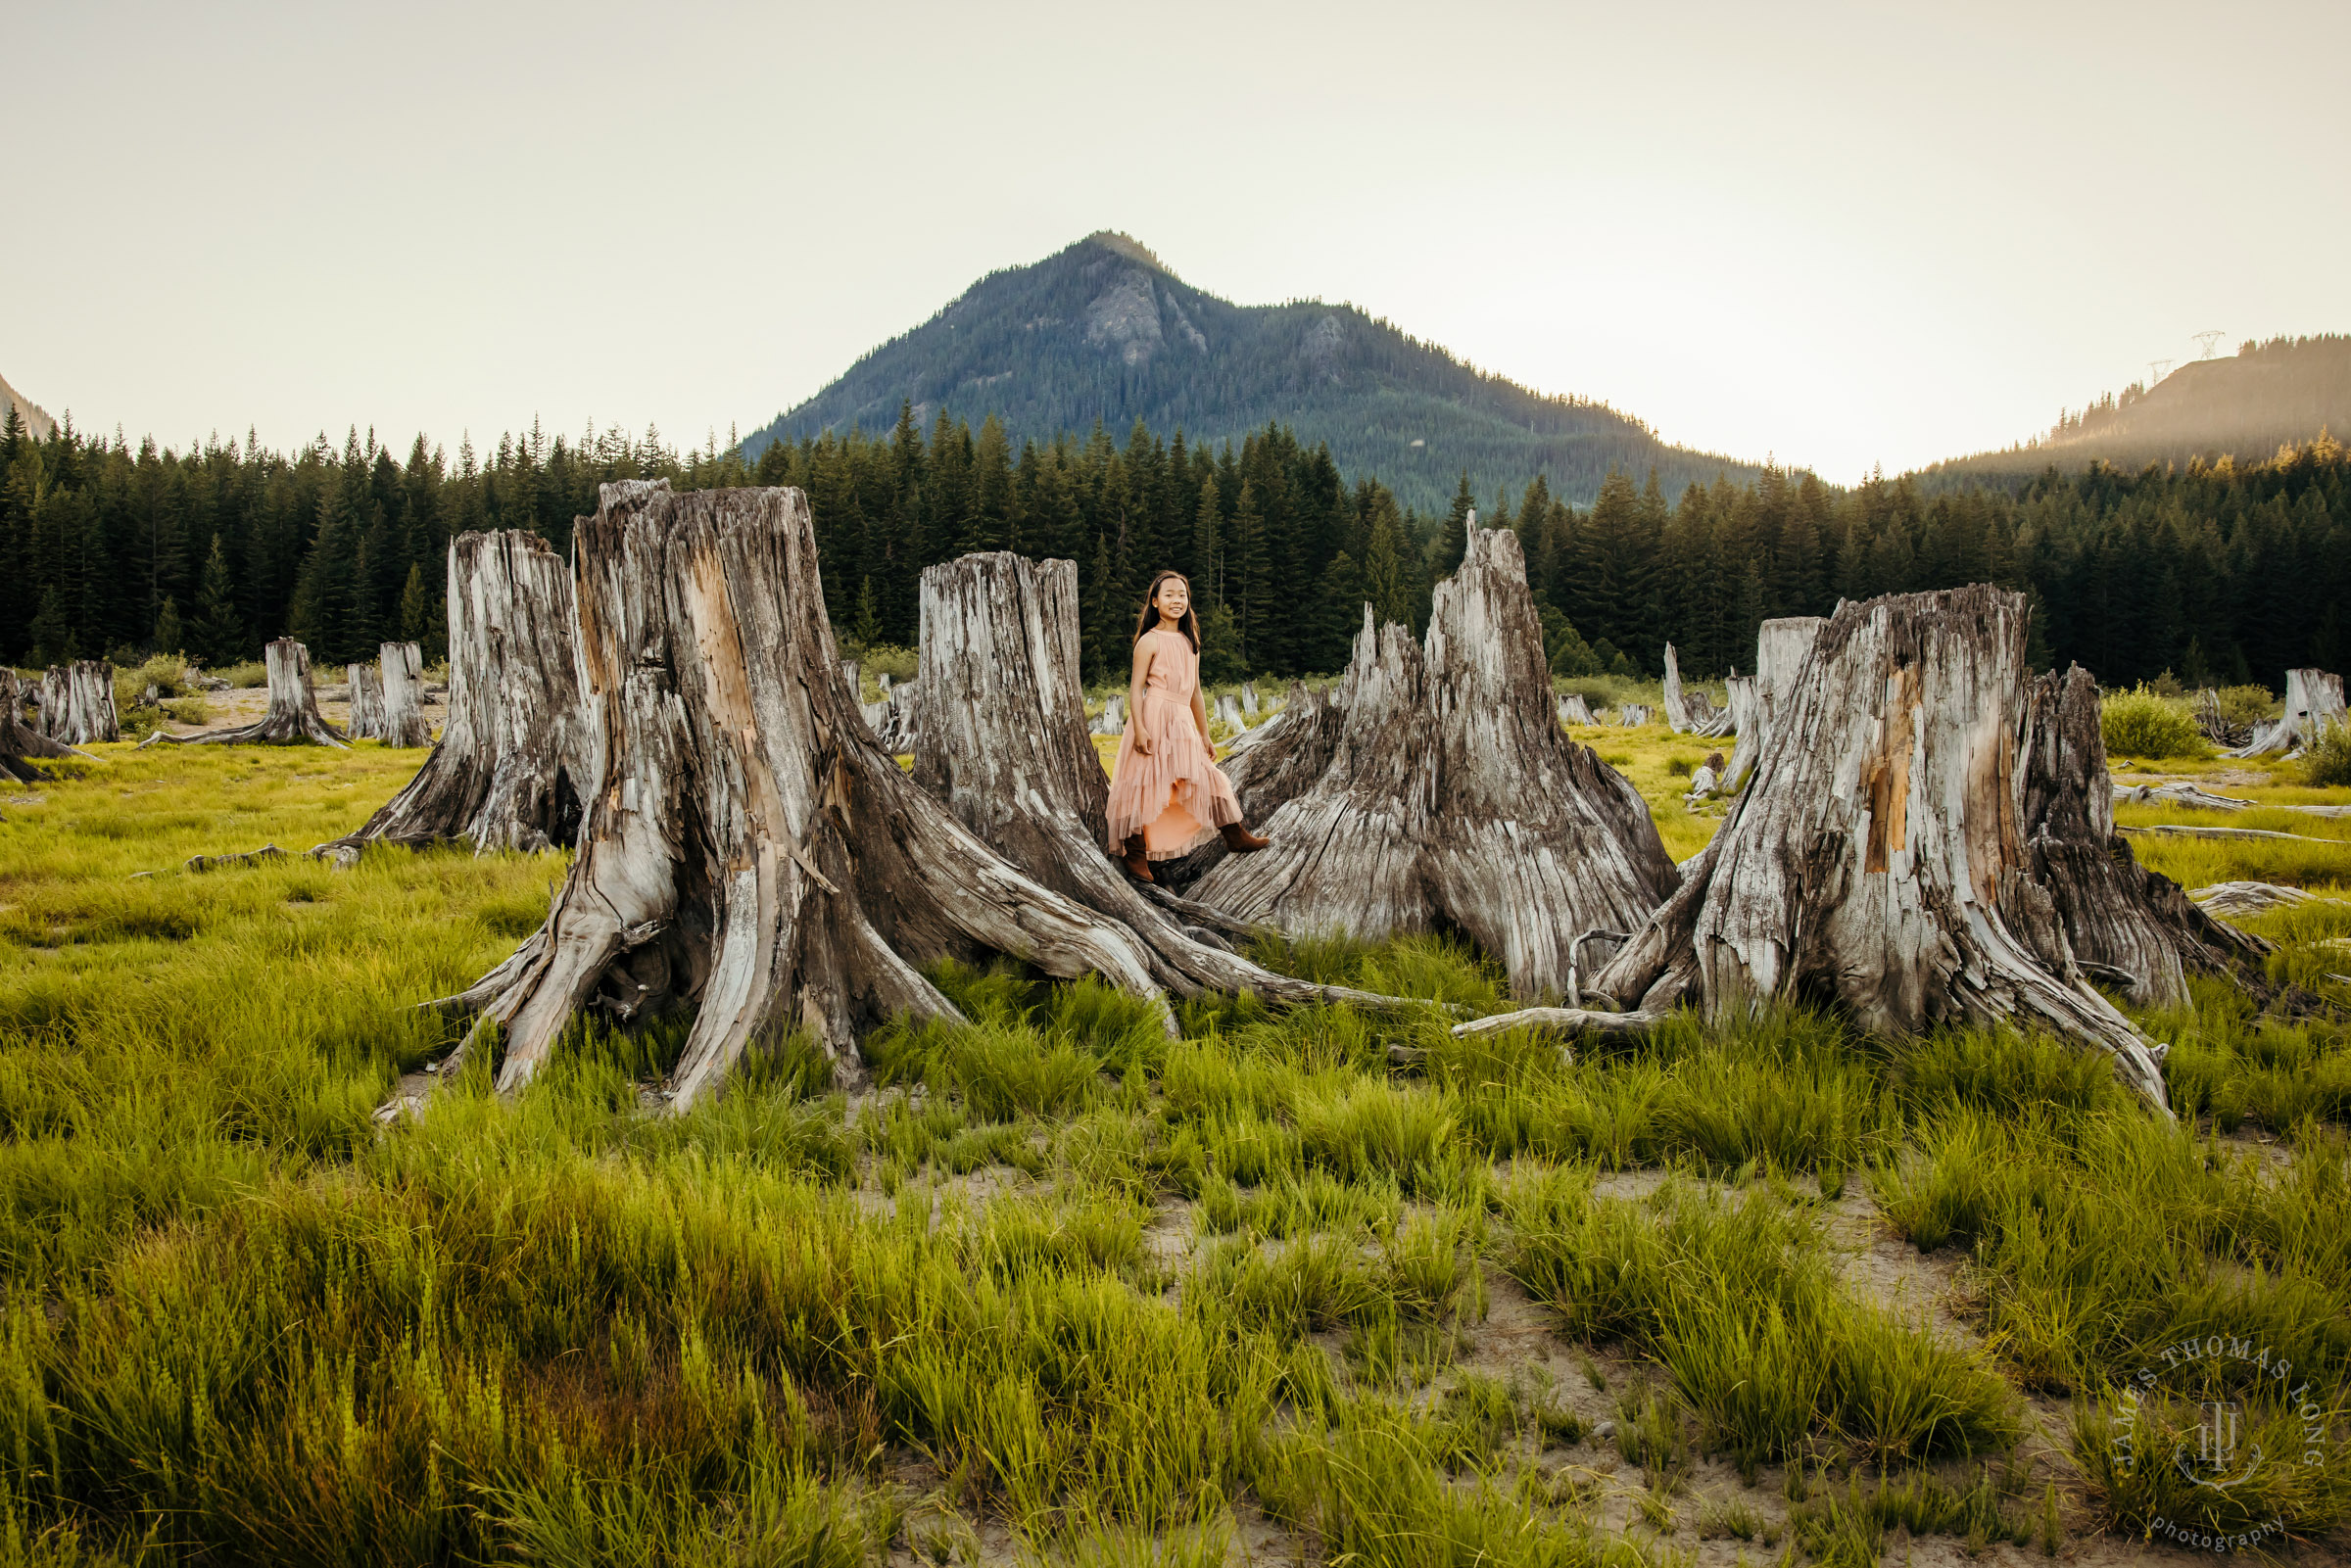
1139 866
1240 841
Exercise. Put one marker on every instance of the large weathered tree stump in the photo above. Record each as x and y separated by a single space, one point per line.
1691 712
1008 753
77 702
292 719
1781 647
404 723
750 850
1450 798
517 750
366 721
2123 924
2313 702
1573 709
1872 859
22 746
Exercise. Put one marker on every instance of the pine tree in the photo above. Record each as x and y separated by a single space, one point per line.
1340 604
1387 586
1454 543
417 622
53 639
1208 547
868 630
1249 577
169 636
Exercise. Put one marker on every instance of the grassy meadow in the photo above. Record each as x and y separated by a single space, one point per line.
1054 1287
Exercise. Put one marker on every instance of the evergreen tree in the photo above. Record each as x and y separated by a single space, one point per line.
1208 548
1388 585
1454 541
169 636
53 639
1249 578
219 635
418 622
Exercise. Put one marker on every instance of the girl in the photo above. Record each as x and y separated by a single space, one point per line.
1167 798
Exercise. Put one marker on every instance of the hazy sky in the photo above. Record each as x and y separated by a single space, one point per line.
1846 235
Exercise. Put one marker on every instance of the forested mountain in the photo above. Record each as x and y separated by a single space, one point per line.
2268 395
36 418
2229 570
1103 333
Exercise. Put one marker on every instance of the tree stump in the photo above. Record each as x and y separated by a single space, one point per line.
366 721
1633 715
1112 720
894 719
1450 798
1690 713
1781 647
22 746
1249 700
2314 700
77 702
1573 709
1227 711
1268 767
2123 923
751 851
404 723
2215 726
1877 858
292 719
1009 757
517 750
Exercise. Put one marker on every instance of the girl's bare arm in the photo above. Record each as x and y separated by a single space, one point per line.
1200 718
1134 697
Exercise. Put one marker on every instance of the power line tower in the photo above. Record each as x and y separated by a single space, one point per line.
2155 370
2207 340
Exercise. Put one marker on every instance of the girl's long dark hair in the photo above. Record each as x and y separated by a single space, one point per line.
1148 621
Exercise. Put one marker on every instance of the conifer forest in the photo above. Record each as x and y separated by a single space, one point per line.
2218 573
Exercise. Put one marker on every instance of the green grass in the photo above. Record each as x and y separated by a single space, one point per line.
1054 1278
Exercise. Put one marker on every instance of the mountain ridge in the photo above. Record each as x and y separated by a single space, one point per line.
1104 331
2271 393
36 418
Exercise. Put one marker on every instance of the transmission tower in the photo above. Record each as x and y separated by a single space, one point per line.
2206 341
2155 370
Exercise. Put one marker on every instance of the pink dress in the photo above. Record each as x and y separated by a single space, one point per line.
1174 798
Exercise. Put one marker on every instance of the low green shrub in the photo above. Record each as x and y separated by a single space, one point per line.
2328 760
2141 724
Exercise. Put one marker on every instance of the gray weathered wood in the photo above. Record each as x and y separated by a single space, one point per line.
1782 646
1009 757
22 748
1112 720
1448 797
1573 709
292 718
1876 854
403 667
2314 700
2239 899
519 747
77 702
1632 715
367 698
1691 712
752 853
2118 916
